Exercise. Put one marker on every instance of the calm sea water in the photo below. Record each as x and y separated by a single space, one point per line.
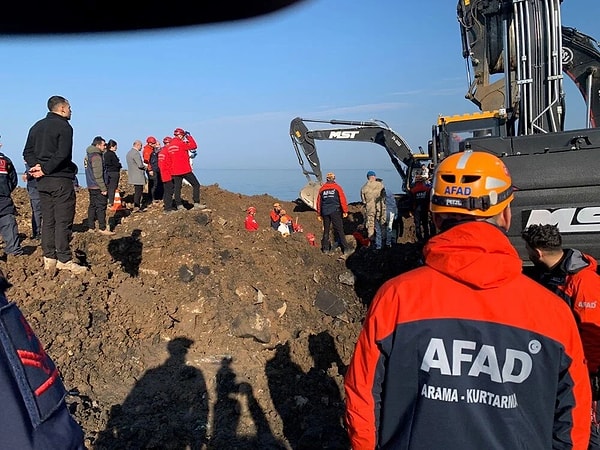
283 184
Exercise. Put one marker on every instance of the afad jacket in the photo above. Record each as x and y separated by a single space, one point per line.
467 353
331 199
179 153
575 280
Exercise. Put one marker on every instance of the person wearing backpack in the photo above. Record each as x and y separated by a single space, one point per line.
96 185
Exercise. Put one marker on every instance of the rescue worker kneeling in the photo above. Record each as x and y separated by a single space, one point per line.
467 342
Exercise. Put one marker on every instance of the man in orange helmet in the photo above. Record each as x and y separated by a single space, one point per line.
467 342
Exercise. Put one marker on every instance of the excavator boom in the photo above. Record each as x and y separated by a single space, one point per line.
374 131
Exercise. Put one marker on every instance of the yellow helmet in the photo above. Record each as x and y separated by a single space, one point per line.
472 183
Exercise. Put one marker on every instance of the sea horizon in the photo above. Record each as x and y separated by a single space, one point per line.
283 183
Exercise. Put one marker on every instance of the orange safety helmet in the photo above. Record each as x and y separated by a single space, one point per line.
150 140
251 210
474 183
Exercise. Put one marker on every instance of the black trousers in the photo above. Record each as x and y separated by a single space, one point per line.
190 178
138 191
112 185
168 195
97 209
155 186
334 219
57 199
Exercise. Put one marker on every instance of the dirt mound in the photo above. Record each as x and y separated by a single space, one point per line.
190 332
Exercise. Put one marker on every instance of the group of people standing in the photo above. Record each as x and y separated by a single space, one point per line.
51 175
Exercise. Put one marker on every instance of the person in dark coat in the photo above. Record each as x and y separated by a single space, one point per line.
112 167
8 222
49 153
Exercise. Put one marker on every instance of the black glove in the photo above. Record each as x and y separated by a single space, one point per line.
186 133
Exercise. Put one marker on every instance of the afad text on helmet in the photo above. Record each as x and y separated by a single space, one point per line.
457 190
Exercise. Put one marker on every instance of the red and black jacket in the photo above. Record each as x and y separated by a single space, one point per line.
466 352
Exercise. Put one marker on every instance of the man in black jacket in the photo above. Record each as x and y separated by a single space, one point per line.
49 153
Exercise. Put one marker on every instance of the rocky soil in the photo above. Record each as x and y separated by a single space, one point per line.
189 332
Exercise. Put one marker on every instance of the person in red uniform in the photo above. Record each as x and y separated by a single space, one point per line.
466 352
331 208
165 165
250 223
275 216
183 147
420 194
571 274
152 172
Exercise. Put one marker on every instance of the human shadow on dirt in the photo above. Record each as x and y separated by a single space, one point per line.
128 251
227 415
166 409
310 404
372 268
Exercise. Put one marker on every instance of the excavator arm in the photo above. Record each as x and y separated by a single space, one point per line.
376 132
581 62
522 41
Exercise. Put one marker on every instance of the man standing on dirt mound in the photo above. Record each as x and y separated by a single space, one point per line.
331 208
468 342
49 154
179 149
371 194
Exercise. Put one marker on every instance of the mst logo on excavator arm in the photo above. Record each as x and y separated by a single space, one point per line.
338 134
569 220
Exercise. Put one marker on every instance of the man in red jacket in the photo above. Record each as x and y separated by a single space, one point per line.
181 148
331 208
165 166
571 275
466 352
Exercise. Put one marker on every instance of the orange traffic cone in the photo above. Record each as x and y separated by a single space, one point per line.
117 204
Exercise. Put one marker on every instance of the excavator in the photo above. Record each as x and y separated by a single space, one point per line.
517 54
407 163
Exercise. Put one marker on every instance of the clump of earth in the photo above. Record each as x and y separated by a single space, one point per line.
189 332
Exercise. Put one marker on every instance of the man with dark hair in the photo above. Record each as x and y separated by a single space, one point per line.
34 413
571 274
49 153
96 185
467 342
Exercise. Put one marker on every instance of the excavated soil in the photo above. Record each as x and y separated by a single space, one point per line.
189 332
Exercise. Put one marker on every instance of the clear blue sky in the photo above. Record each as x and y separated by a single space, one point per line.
237 86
